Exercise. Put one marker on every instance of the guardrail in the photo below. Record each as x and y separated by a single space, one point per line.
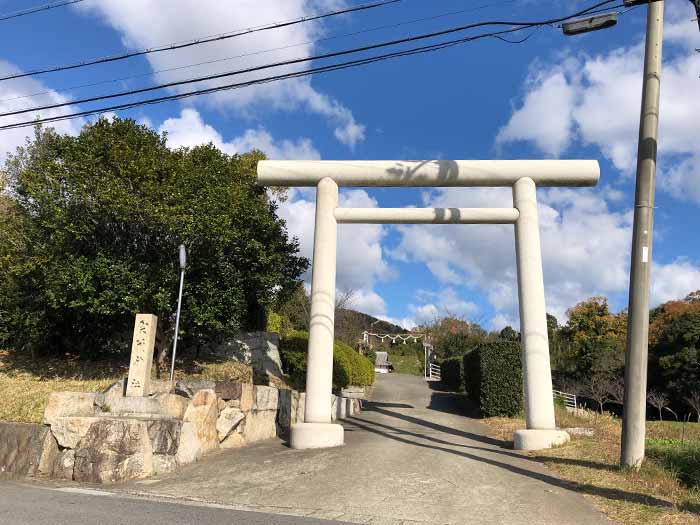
569 399
434 373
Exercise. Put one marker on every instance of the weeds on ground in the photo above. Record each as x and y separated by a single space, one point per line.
25 384
657 493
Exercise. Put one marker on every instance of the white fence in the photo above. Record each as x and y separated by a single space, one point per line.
569 399
434 373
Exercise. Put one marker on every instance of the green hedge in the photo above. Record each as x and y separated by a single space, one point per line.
493 378
451 372
349 367
472 376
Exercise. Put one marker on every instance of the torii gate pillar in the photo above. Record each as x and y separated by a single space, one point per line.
317 431
537 376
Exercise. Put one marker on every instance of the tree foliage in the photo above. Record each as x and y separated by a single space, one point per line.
594 339
93 234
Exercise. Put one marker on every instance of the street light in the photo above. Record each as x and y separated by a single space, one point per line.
183 265
591 23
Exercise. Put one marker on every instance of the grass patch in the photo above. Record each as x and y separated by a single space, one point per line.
658 493
680 457
407 364
25 384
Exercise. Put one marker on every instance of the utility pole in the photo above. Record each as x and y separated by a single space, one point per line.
636 353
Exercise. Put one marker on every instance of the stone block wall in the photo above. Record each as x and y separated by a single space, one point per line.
106 437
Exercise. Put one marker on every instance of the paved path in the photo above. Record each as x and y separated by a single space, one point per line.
411 457
29 504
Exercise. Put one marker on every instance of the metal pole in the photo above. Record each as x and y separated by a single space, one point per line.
183 264
636 354
425 361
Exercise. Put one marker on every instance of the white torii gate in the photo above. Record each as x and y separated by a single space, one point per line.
523 176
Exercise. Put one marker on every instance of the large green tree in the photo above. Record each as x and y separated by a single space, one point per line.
675 360
593 340
92 234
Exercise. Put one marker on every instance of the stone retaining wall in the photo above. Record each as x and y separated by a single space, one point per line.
106 437
21 449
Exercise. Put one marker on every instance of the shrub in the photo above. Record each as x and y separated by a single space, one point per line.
451 372
372 356
278 324
293 355
493 378
349 367
472 376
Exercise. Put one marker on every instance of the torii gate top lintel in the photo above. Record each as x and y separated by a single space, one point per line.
428 173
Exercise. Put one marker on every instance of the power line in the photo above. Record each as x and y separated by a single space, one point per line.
260 52
37 9
296 61
322 69
307 72
199 41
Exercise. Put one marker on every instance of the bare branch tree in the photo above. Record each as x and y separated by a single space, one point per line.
598 389
617 390
345 298
693 401
659 400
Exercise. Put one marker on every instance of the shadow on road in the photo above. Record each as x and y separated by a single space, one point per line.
372 406
446 401
403 436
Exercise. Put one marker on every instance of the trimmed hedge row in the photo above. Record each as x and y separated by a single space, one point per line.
451 372
493 378
349 367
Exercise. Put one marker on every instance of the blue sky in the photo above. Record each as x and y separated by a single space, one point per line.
551 97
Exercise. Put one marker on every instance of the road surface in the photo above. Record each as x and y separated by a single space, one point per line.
410 457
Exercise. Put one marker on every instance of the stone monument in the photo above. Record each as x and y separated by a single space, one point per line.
138 383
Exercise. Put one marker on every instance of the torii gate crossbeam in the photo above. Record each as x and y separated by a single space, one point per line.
523 176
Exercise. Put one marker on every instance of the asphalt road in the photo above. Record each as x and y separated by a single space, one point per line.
411 457
23 504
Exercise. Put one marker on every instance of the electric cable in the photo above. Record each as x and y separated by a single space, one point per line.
199 41
322 69
37 9
260 52
292 62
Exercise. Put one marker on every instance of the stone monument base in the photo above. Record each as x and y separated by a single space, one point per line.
316 435
538 439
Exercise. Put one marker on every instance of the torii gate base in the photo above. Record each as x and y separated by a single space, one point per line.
317 431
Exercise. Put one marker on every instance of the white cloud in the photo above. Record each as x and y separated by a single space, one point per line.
596 101
10 93
361 260
369 302
404 322
550 99
425 314
675 280
683 179
445 302
176 22
585 252
189 129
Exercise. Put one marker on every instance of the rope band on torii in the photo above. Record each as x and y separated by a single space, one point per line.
394 337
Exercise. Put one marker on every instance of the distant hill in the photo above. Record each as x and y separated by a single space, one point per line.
349 325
